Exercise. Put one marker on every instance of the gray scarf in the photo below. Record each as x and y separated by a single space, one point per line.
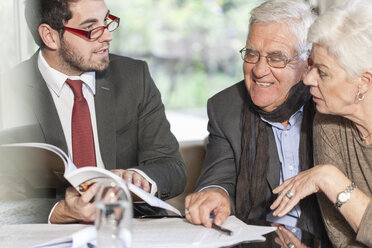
251 186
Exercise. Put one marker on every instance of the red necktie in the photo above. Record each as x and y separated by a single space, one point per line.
81 128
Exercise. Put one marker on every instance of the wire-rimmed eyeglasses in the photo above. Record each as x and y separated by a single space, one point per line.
275 60
96 33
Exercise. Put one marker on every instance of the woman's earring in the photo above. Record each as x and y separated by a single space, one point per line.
360 96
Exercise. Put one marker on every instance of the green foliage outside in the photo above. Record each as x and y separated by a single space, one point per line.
192 46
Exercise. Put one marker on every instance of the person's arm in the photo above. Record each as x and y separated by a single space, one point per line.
327 179
74 207
158 149
218 170
364 234
331 151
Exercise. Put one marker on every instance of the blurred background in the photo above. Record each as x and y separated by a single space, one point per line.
192 48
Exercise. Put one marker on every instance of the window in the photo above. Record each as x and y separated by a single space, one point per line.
14 40
192 48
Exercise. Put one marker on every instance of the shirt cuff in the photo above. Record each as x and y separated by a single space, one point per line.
214 186
154 187
51 211
364 233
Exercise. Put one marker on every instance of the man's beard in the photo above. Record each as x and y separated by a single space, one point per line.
73 61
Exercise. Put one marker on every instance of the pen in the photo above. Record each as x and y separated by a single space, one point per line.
214 226
159 216
222 229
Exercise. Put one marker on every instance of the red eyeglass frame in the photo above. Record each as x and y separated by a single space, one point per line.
87 34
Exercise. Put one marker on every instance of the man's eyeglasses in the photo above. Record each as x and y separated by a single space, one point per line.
275 60
96 33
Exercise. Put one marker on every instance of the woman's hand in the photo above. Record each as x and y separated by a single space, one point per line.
296 188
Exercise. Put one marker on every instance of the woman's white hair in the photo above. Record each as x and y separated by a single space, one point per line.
296 14
346 31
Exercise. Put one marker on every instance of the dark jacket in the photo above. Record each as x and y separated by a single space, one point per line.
132 128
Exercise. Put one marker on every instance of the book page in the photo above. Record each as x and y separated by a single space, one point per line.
77 177
152 200
69 165
82 178
39 165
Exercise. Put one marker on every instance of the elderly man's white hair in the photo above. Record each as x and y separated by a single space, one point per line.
346 31
296 14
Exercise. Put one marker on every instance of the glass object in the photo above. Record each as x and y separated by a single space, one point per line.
276 60
96 33
113 209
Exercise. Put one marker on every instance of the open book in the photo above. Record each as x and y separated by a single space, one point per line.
47 166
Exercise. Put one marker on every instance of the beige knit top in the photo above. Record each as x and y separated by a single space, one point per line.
337 142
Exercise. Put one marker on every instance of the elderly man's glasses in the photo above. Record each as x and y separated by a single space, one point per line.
96 33
275 60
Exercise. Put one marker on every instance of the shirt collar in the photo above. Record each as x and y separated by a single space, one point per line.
56 80
292 120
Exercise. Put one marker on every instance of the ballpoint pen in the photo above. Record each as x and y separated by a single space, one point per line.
159 216
214 226
220 228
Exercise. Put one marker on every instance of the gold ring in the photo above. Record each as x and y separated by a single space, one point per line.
290 245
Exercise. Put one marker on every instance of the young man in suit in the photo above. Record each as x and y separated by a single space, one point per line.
120 112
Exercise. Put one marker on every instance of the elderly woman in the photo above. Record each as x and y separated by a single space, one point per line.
341 85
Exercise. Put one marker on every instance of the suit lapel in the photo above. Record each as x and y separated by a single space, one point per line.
47 115
104 101
44 108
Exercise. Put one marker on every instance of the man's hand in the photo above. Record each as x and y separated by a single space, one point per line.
200 205
75 207
134 178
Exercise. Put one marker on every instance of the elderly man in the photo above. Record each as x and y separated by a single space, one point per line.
261 128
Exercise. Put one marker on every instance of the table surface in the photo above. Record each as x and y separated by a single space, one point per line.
26 235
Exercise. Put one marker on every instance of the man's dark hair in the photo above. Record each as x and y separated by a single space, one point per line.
51 12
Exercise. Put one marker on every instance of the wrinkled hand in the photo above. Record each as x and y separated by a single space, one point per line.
134 178
286 237
200 205
75 207
302 185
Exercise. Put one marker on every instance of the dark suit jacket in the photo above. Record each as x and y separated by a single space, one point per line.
133 131
222 161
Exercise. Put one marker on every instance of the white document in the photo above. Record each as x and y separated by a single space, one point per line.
79 239
160 233
177 233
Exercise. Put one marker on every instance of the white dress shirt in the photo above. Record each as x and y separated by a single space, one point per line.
63 98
